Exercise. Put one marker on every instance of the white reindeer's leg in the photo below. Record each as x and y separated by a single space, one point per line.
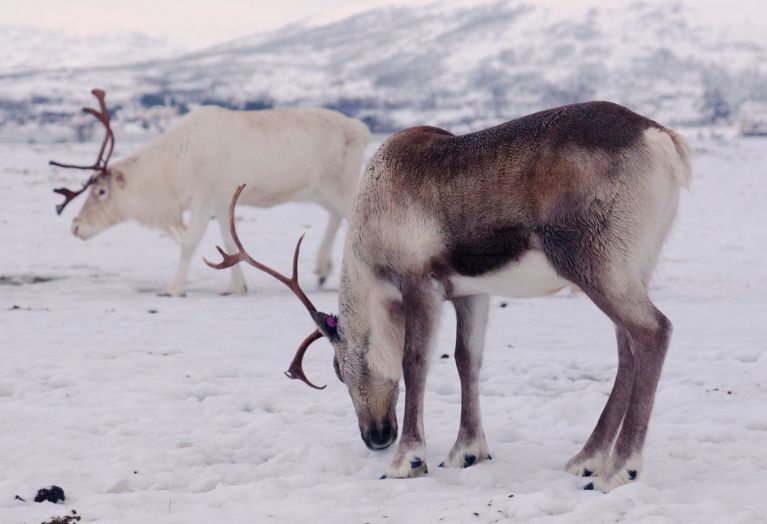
471 318
324 255
592 458
650 332
421 306
198 223
237 285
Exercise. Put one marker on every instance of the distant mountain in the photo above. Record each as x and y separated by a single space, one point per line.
31 50
455 64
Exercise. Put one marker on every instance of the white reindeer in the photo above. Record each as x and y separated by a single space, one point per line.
582 194
284 155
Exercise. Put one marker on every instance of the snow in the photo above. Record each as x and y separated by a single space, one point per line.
156 410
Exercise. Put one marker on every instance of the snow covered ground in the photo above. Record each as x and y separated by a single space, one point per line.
151 410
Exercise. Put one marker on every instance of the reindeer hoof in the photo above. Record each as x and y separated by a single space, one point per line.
616 473
169 294
465 455
321 281
407 465
587 464
235 292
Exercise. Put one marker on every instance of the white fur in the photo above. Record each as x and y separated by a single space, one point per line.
282 155
530 276
651 208
387 334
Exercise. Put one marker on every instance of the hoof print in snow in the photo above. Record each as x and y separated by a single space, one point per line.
469 460
632 474
66 519
587 472
589 486
416 463
51 494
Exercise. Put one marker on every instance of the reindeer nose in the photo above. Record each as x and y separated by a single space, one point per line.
380 437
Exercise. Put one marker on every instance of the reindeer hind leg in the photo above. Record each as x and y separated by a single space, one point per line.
616 280
649 332
237 283
592 459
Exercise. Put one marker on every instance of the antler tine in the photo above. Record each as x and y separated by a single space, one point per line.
296 369
242 256
69 195
105 119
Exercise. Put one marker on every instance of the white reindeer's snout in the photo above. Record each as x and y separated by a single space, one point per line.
82 229
76 228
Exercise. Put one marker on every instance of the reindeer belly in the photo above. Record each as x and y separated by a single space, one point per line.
531 275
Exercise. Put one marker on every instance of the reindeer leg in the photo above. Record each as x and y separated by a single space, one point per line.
237 284
649 332
421 306
471 318
592 458
198 223
324 255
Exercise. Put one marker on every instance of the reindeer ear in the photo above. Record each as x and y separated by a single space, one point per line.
327 324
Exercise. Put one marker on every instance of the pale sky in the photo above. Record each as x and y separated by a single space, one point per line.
197 23
188 23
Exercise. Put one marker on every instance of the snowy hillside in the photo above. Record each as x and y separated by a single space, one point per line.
458 64
26 49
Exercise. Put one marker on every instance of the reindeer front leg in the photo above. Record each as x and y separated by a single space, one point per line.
471 318
198 223
421 307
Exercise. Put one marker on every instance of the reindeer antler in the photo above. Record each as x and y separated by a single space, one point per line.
296 367
102 161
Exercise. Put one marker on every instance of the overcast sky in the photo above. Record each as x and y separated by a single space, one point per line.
189 23
197 23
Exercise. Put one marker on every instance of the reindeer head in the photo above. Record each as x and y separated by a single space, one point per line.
360 359
96 213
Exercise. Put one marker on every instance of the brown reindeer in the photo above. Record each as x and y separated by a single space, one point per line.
579 195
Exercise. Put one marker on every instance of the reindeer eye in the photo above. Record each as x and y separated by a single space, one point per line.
102 192
337 368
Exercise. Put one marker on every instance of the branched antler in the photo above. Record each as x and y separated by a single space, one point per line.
102 160
296 368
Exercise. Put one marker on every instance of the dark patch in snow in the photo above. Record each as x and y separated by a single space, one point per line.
51 494
20 280
66 519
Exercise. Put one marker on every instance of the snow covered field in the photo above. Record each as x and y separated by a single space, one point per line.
151 410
